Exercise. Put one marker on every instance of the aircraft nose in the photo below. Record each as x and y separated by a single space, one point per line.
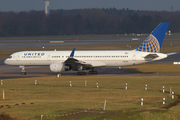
6 62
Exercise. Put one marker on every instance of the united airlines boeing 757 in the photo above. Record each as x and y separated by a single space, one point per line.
60 61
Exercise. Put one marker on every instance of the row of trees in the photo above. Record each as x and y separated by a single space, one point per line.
85 21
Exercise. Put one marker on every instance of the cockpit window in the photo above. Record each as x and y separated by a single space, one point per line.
10 57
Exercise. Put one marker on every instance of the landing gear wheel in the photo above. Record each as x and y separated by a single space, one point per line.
83 73
93 72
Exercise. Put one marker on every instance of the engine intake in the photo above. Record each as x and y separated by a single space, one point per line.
59 67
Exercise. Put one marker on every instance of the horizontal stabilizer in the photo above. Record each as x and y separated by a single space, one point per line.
151 56
171 53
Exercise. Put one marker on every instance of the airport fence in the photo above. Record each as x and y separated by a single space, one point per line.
104 107
85 110
85 84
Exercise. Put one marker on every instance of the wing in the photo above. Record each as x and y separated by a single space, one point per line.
75 63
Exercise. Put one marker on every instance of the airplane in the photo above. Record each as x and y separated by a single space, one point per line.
60 61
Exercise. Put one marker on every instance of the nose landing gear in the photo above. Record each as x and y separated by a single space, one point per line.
23 70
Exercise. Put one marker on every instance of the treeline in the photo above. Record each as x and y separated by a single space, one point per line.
85 21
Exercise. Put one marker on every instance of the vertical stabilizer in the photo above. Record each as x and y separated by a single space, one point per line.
154 41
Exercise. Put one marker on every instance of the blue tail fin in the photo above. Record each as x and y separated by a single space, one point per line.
154 41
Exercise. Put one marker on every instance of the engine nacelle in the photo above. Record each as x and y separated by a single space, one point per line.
59 67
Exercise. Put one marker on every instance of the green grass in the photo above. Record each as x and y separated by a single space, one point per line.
166 68
60 99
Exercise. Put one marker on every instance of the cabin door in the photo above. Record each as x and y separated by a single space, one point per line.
18 57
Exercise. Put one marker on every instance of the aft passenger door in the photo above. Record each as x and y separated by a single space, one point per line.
134 56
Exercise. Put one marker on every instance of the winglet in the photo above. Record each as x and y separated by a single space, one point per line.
72 53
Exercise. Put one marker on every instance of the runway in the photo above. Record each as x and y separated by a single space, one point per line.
38 71
10 72
13 44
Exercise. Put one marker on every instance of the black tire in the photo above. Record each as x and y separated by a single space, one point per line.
90 72
95 72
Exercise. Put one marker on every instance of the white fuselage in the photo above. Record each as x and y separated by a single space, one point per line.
103 58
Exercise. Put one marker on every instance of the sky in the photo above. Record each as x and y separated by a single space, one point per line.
27 5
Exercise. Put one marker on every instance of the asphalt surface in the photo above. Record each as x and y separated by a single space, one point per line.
13 44
7 71
10 44
37 71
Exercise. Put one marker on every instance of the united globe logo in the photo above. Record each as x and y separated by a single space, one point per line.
151 44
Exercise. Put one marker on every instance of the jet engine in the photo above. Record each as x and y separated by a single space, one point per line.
59 67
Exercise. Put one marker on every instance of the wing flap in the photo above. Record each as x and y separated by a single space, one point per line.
95 63
85 63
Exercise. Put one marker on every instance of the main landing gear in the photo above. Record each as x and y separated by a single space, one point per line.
92 71
23 70
80 70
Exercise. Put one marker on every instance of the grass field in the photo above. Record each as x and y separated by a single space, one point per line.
53 96
166 68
